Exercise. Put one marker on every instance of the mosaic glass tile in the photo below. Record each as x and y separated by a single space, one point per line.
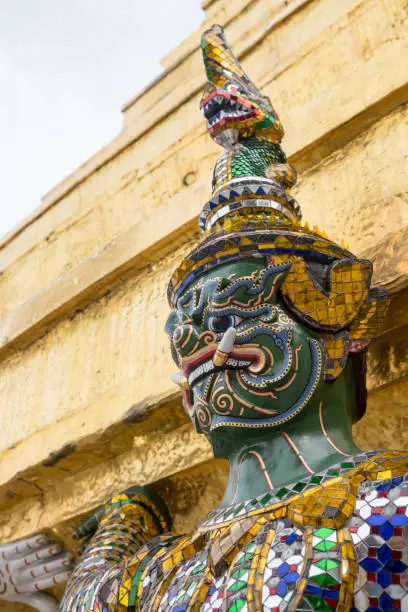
357 566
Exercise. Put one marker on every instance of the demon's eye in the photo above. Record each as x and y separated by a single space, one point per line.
231 87
219 324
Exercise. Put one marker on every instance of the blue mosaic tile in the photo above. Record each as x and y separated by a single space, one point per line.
386 531
370 565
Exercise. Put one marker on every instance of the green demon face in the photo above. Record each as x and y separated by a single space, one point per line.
244 361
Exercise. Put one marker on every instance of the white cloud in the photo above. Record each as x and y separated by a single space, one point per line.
66 68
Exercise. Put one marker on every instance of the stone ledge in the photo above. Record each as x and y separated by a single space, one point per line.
153 459
390 259
86 282
79 448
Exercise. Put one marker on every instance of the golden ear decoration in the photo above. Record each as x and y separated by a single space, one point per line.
371 316
336 349
332 309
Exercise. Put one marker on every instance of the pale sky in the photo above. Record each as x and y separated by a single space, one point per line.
66 68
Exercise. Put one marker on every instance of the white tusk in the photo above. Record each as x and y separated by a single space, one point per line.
179 379
228 340
225 347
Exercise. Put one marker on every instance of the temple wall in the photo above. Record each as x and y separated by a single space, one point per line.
87 405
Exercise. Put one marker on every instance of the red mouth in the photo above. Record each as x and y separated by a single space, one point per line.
221 108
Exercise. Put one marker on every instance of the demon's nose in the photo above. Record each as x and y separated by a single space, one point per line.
185 338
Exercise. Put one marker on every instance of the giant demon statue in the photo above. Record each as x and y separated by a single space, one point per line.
269 328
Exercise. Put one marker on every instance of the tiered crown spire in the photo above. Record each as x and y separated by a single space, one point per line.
253 175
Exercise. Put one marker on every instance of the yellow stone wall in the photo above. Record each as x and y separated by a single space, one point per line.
87 404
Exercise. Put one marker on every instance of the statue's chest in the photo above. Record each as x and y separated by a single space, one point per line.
278 565
268 573
342 547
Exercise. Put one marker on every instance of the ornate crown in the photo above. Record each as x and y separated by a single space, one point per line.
252 213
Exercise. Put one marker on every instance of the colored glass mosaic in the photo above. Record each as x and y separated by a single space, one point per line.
272 563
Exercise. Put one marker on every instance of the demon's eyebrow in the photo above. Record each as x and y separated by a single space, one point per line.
266 281
194 301
223 291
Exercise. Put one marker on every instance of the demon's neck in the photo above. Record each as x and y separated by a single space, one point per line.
262 460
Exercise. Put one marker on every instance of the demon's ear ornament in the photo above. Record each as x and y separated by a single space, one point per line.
339 305
367 325
364 327
332 308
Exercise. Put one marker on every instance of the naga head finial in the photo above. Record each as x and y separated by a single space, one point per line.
233 106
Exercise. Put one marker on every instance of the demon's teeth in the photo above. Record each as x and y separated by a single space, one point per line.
208 368
225 347
204 368
237 363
